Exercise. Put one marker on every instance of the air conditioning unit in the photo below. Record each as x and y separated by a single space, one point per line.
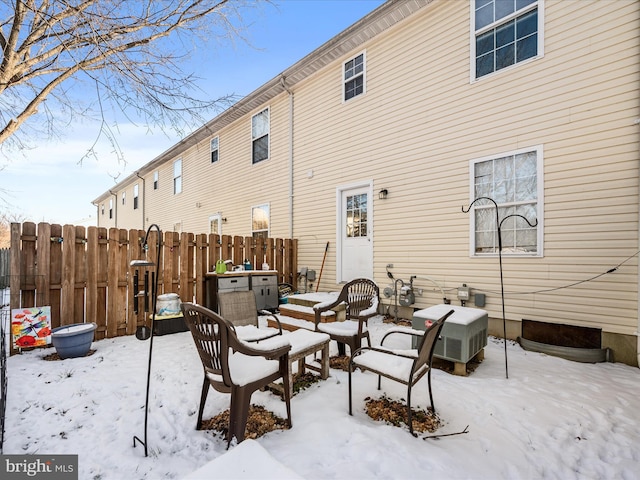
463 335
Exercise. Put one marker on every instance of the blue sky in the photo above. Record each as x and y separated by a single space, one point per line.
50 184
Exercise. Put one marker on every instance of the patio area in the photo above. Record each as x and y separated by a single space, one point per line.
551 419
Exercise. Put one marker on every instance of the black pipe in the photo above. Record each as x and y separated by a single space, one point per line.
135 291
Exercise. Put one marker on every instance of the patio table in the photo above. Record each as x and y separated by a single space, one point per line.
304 343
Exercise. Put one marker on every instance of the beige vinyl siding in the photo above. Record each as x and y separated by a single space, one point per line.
127 216
233 184
416 130
421 122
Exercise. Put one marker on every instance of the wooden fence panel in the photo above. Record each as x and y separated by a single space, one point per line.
214 251
171 263
43 254
14 279
134 253
69 274
112 283
92 276
238 250
226 244
85 274
55 275
201 268
186 276
102 279
28 264
80 241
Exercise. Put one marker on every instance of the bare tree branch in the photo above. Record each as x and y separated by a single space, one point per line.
49 48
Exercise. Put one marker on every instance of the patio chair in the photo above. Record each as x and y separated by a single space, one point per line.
240 309
235 367
361 297
403 366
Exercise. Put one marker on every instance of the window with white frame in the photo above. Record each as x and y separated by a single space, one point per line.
506 32
124 196
260 136
353 77
102 208
514 181
135 196
214 149
156 177
215 224
177 176
260 221
111 208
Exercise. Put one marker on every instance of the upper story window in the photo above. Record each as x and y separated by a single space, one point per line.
102 208
514 181
156 177
177 176
260 221
353 77
506 32
135 196
124 196
260 136
214 149
111 208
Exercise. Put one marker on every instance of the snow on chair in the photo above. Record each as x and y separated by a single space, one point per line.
361 298
403 366
235 367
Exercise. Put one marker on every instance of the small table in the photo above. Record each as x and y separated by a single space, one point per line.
304 343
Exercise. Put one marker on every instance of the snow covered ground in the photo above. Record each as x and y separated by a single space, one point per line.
551 419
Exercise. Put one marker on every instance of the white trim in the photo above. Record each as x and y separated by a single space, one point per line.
217 217
539 149
364 75
472 38
368 184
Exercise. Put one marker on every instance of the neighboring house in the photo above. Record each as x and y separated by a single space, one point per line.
377 140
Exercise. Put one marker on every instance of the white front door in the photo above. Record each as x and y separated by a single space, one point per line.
355 233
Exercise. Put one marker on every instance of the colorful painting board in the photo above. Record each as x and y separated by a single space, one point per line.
31 327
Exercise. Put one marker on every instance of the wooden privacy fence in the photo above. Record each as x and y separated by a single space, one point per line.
84 274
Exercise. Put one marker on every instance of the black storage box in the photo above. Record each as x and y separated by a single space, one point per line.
164 325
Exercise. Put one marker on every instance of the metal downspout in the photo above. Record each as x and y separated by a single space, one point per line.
637 124
115 208
144 202
282 81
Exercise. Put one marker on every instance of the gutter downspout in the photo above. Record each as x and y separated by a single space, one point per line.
115 208
284 85
144 199
637 123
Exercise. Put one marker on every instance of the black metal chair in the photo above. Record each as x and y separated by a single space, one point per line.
232 366
403 366
361 298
